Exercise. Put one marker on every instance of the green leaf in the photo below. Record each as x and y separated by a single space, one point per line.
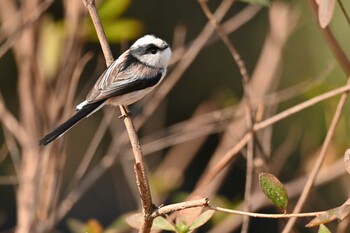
274 190
76 226
323 229
112 9
258 2
161 223
181 227
202 219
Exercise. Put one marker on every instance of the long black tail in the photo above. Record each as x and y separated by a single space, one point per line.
60 130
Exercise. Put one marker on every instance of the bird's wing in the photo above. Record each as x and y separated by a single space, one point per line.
124 76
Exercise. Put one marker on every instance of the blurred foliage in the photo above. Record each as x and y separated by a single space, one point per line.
258 2
117 28
51 44
186 220
91 226
323 229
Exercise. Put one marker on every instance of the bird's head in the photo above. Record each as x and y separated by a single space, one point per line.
151 51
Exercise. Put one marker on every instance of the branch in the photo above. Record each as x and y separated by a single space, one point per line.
229 155
141 175
260 215
180 206
11 123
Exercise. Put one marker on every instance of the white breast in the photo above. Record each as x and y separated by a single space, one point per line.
129 98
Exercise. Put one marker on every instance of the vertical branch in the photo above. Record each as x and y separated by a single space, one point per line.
248 106
90 5
140 168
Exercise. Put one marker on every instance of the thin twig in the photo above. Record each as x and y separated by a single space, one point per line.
187 59
299 107
342 7
11 39
328 174
332 42
8 180
71 90
90 152
216 121
167 209
248 184
249 109
228 156
260 215
90 5
13 150
11 123
319 161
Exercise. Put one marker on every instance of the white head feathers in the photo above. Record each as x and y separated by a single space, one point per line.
151 51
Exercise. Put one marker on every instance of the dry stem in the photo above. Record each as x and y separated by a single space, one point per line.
141 175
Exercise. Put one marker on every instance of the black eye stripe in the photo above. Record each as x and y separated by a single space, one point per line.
150 48
147 49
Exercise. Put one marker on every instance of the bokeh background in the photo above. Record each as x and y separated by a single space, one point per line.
303 64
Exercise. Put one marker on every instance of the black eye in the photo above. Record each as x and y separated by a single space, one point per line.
154 51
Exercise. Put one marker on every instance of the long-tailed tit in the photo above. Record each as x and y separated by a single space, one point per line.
129 78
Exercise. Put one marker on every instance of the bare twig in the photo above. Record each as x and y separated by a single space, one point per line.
294 188
258 215
301 106
13 150
228 156
216 121
8 180
249 108
264 79
332 42
90 5
236 56
90 152
342 7
179 206
11 123
11 39
319 161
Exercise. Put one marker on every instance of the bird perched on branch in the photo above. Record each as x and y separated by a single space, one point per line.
129 78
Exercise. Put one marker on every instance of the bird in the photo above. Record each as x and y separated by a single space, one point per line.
134 74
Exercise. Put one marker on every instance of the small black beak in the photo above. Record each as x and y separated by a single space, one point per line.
165 47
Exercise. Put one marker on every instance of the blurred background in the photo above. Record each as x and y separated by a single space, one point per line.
50 57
